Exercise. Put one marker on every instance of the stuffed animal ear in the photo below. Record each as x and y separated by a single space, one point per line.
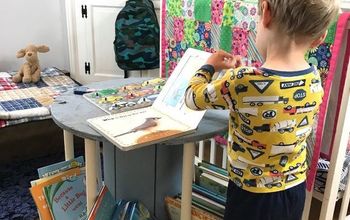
43 48
21 53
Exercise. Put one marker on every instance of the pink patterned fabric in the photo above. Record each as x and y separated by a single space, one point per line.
178 29
164 45
216 11
341 28
240 42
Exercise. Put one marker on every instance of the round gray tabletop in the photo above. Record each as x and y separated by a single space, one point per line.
72 114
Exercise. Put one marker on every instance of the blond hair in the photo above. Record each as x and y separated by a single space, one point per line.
303 17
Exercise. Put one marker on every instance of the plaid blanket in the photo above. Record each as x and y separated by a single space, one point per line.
24 102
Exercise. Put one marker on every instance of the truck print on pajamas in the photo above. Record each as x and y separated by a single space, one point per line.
299 109
264 100
281 127
271 115
226 94
248 112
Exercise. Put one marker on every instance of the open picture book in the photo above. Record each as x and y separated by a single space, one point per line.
167 118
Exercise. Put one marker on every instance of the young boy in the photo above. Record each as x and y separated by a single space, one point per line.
272 109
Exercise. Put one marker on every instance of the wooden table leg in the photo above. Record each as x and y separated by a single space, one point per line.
68 145
187 178
201 150
91 172
212 150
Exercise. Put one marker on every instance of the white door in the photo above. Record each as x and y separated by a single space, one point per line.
91 35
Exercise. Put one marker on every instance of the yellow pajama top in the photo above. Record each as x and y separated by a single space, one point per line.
271 115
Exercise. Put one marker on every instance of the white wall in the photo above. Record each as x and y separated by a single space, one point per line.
33 21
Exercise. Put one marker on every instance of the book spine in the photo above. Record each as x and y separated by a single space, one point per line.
174 211
94 210
212 186
214 168
206 193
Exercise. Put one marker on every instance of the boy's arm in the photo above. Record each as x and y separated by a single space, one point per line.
203 93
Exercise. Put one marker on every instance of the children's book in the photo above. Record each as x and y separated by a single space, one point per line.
208 204
209 194
66 199
38 192
214 184
131 210
214 168
173 207
167 118
104 206
60 167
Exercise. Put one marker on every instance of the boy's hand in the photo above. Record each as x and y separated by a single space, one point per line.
222 60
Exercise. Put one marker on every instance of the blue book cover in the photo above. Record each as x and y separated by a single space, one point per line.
104 206
67 199
131 210
60 167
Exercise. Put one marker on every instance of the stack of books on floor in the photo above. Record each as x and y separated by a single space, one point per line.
208 194
60 191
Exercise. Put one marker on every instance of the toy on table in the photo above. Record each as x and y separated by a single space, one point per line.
30 70
128 97
82 90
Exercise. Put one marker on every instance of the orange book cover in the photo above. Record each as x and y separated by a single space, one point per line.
38 194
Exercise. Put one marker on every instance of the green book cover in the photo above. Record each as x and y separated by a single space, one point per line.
209 194
104 206
214 168
210 209
67 199
213 184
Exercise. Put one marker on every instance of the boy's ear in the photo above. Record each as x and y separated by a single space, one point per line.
265 13
21 53
319 40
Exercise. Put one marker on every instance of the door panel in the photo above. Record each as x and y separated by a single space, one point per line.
94 41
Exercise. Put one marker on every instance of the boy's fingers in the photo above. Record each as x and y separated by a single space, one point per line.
238 61
230 64
225 54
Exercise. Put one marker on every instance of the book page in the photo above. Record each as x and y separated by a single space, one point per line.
171 99
138 127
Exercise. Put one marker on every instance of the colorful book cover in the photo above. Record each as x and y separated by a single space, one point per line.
60 167
38 193
214 168
213 184
173 207
167 118
203 169
210 195
66 199
104 206
132 210
208 204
